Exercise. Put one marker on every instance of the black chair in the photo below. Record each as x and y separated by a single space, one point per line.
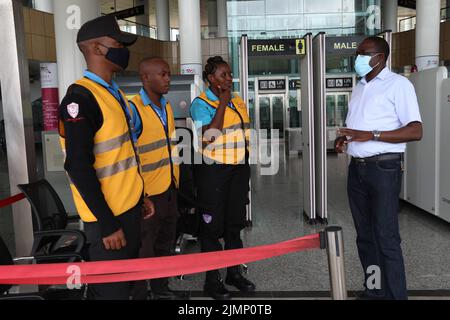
50 220
47 293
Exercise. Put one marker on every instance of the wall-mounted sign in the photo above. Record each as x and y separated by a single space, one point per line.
272 84
343 45
278 47
295 84
128 13
50 97
338 83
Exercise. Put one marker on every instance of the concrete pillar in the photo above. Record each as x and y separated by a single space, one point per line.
143 20
390 15
190 40
43 5
15 88
222 16
69 17
163 20
427 33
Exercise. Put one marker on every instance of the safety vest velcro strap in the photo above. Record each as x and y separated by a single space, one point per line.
153 166
120 166
111 144
152 146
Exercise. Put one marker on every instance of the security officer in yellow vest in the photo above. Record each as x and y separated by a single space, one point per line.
223 178
154 125
101 159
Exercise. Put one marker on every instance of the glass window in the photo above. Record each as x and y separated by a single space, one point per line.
246 8
284 22
323 6
323 21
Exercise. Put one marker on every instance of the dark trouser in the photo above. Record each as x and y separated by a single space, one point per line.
373 190
158 238
130 222
224 188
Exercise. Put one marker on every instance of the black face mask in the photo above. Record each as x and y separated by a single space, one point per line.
118 56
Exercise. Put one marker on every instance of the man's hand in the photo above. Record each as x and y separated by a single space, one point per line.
355 135
339 144
116 241
148 209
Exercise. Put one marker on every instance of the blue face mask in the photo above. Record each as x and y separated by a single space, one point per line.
362 65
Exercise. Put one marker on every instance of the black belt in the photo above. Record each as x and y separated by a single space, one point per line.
380 157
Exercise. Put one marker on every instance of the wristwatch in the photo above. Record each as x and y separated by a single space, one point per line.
376 135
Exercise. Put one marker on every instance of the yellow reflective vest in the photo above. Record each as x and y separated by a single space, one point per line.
116 162
157 150
231 144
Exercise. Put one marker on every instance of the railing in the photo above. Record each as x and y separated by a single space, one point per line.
138 28
409 23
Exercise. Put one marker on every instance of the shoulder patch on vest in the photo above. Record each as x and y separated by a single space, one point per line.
73 109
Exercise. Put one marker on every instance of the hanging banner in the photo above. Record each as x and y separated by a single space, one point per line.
50 98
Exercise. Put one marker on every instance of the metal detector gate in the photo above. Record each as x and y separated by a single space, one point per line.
314 130
320 126
307 103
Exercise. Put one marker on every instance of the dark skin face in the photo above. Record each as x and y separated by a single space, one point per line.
95 51
221 80
155 76
220 84
378 61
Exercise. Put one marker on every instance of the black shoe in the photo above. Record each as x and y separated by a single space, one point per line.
238 280
216 290
170 295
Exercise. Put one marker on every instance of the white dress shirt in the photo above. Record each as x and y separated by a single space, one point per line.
386 103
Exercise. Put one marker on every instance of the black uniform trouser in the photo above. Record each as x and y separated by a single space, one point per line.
130 222
224 189
158 238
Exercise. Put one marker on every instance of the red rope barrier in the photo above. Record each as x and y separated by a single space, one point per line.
150 268
11 200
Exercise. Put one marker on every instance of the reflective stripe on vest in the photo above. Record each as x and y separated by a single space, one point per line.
115 163
156 164
231 146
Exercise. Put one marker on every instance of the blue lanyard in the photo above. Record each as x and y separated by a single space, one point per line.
161 112
116 94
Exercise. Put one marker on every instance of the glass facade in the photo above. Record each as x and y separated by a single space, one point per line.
263 19
275 19
291 19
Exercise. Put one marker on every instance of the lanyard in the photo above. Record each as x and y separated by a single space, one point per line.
123 104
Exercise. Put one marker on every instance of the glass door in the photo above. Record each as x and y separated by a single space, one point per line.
265 118
271 115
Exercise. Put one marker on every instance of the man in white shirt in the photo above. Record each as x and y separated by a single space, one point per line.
383 116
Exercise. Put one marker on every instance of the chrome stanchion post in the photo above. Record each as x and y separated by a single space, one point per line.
335 251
